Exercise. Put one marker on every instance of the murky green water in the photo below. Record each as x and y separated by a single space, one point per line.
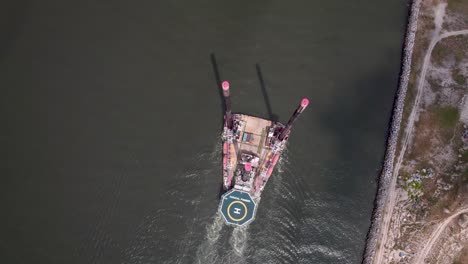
111 122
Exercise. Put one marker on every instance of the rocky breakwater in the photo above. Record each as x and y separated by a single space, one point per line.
387 170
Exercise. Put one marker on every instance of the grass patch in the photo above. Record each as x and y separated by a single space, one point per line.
448 116
434 84
427 129
465 176
464 156
412 187
449 49
432 200
458 5
453 4
458 76
459 46
440 53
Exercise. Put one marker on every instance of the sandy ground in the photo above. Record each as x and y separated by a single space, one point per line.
464 111
393 218
435 235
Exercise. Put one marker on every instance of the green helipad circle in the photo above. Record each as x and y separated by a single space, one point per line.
237 207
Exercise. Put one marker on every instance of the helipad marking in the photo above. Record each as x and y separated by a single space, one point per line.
237 207
233 218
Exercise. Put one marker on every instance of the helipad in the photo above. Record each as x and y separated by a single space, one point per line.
237 207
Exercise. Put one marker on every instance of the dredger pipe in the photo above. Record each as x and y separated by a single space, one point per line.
304 103
227 101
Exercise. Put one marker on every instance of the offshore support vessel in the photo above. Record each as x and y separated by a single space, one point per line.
251 149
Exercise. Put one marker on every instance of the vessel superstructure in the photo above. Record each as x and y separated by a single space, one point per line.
252 147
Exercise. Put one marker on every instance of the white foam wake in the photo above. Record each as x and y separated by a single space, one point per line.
207 252
238 240
213 230
238 243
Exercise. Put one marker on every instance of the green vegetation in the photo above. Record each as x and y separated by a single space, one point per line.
439 53
432 200
449 49
417 185
465 176
424 172
435 84
459 56
464 156
447 116
458 77
460 45
459 8
412 187
457 5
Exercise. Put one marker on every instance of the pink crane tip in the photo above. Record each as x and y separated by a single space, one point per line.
305 102
225 85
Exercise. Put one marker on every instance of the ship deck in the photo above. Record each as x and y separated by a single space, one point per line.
252 138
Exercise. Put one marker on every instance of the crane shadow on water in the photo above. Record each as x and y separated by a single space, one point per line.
271 115
263 87
214 65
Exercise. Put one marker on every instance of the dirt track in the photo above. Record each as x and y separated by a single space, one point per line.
391 199
435 235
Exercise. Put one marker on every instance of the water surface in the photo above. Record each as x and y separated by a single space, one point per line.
111 127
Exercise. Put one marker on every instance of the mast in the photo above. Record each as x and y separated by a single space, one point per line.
227 101
293 118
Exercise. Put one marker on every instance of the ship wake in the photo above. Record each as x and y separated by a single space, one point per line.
209 250
238 243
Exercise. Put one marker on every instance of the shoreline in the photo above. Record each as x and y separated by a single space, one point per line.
392 140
